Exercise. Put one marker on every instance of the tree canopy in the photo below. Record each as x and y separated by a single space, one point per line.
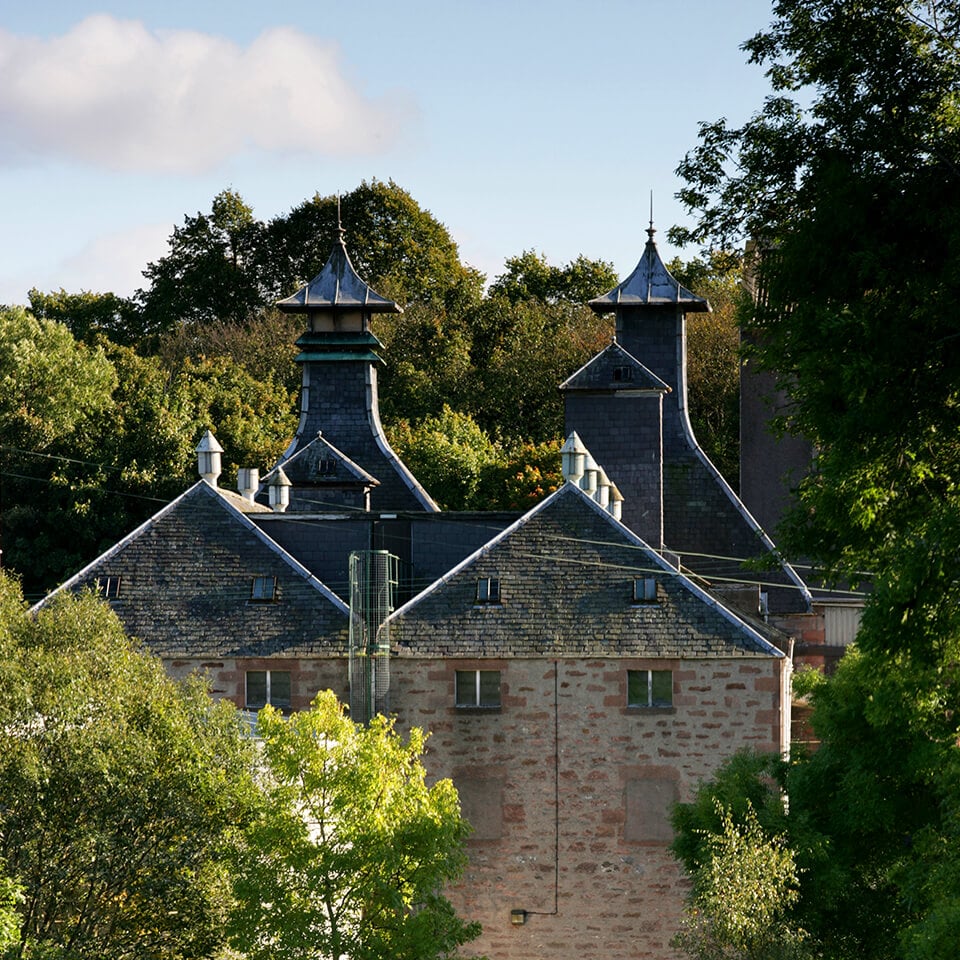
846 181
351 852
119 790
228 266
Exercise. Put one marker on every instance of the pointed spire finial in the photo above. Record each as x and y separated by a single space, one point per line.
650 230
340 230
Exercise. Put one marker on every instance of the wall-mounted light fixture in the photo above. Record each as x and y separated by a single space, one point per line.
518 917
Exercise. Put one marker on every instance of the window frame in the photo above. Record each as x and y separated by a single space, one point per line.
476 703
645 591
261 596
269 676
488 590
108 587
647 677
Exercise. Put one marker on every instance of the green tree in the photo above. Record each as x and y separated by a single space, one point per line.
872 820
353 850
530 277
227 266
88 314
49 383
96 440
521 353
264 346
521 477
428 362
211 271
119 789
847 182
742 896
253 420
402 250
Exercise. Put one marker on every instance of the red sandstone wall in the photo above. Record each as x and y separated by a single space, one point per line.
308 677
570 791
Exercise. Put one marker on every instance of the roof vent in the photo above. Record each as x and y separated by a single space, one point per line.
588 481
279 489
248 481
580 468
208 458
602 496
616 501
572 456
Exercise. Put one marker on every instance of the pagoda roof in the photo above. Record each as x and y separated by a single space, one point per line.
650 284
337 288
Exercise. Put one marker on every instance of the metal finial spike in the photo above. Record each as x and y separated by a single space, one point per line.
340 229
650 230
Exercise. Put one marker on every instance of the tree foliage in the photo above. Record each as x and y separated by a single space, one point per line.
847 180
211 271
87 461
743 893
228 266
49 383
88 315
530 277
353 848
402 250
872 819
119 790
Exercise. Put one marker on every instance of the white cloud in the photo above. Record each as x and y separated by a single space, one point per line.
115 261
114 94
111 262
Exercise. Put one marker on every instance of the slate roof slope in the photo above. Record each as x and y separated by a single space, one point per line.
566 572
614 369
185 586
305 466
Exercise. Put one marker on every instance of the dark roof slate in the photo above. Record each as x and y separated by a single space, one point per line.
566 572
185 590
337 287
319 462
614 369
650 284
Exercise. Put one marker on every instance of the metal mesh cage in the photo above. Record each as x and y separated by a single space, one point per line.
373 587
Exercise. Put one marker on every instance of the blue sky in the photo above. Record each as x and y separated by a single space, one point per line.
520 125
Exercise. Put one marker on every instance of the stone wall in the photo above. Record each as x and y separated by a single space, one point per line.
227 676
569 791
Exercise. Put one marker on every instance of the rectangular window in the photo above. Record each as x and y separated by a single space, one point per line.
263 588
645 590
649 688
478 688
326 467
488 590
622 374
108 587
268 686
